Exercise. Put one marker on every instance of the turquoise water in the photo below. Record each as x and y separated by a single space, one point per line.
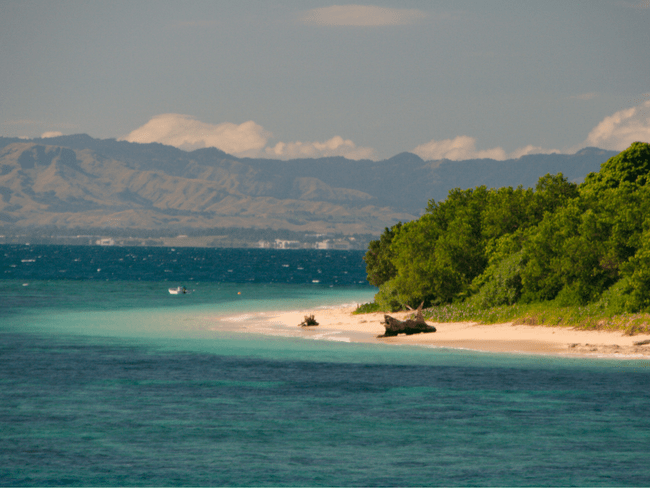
118 383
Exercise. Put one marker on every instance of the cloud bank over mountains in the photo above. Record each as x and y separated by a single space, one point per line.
623 128
336 146
244 140
188 133
46 135
249 139
464 147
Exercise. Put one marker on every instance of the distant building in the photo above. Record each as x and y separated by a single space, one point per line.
264 244
339 244
105 242
280 244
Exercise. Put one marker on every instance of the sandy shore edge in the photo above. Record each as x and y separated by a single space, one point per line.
341 325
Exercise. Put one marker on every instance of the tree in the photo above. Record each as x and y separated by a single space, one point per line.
379 258
631 166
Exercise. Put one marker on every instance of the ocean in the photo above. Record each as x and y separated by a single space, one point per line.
108 380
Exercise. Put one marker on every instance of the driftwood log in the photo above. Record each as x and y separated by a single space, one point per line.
309 321
416 325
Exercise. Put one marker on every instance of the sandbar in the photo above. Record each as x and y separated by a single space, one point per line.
341 324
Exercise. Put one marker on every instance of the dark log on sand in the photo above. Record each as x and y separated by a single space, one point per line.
309 321
408 327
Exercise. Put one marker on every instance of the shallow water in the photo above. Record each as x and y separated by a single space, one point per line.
117 382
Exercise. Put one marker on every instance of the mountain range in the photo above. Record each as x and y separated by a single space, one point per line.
81 182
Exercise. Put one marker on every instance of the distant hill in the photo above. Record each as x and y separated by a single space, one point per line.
78 181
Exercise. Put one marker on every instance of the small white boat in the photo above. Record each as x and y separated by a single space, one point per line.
177 291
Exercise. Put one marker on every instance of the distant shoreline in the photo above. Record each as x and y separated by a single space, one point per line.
339 324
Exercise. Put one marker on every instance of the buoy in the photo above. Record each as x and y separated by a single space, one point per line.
239 293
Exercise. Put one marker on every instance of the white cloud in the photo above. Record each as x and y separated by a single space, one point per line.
244 140
456 149
615 132
186 132
464 147
361 15
530 149
46 135
336 146
621 129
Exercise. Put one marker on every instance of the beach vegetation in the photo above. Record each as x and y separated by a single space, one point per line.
367 308
594 316
558 246
379 257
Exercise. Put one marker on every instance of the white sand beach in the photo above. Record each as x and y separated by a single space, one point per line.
341 324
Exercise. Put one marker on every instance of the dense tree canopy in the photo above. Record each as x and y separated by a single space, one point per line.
574 244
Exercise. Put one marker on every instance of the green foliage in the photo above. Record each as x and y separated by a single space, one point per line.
595 316
551 193
471 312
637 278
616 299
379 258
564 253
559 243
500 284
506 211
437 256
631 166
389 298
577 252
367 308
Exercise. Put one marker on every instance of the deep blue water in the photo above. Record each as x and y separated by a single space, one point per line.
118 383
181 264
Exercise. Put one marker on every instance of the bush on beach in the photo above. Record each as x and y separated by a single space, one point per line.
595 316
367 308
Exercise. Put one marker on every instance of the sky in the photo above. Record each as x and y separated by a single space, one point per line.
286 79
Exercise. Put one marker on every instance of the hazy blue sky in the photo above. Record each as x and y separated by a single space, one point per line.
452 79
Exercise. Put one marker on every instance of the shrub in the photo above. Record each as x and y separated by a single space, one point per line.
367 308
388 298
500 284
